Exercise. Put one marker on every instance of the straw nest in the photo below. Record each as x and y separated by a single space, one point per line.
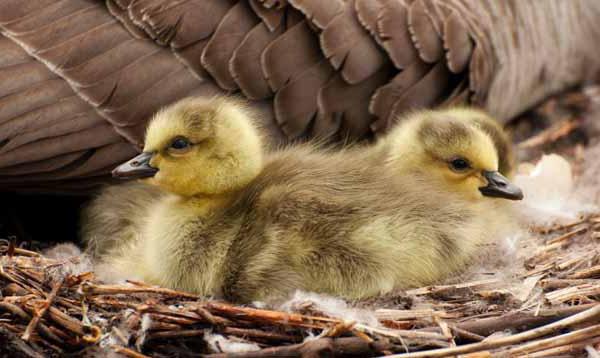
550 306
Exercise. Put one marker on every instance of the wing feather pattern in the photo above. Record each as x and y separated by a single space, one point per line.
79 79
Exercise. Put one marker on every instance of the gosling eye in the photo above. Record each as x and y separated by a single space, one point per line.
460 165
180 144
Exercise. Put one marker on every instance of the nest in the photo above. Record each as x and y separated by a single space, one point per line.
550 307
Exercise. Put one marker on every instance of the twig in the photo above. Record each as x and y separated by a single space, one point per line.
551 284
404 315
565 350
210 318
591 272
192 317
321 347
557 227
592 352
338 329
13 346
156 325
568 235
37 315
400 333
444 288
17 311
552 133
90 289
520 320
176 334
573 292
18 251
89 334
556 341
172 319
578 318
466 334
256 333
128 352
288 319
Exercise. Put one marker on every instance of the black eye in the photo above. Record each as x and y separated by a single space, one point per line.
180 143
460 164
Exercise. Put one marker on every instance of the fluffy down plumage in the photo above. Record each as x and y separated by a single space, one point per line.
235 221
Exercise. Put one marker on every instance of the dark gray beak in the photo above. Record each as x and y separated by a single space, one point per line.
136 168
499 187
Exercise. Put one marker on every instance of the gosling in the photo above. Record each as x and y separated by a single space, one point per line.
218 216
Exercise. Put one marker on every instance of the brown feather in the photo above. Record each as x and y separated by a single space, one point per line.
318 12
245 62
367 12
296 103
349 47
117 88
94 162
88 46
289 55
109 53
60 127
36 95
436 12
384 98
272 18
135 12
458 43
392 27
38 118
18 77
41 117
12 54
134 134
174 85
480 72
50 147
238 21
101 67
120 13
48 14
66 27
182 23
123 4
347 104
15 10
427 40
190 56
14 172
423 94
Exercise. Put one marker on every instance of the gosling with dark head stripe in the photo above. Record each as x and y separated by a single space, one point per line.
463 149
225 218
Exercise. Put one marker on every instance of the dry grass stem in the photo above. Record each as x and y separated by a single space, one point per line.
45 311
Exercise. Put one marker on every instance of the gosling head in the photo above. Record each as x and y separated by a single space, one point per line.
463 150
198 147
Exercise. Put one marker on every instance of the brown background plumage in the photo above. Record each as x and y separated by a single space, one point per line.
80 78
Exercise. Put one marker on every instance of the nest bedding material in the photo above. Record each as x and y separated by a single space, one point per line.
550 306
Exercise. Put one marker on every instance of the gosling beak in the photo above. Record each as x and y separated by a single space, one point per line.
499 187
138 167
